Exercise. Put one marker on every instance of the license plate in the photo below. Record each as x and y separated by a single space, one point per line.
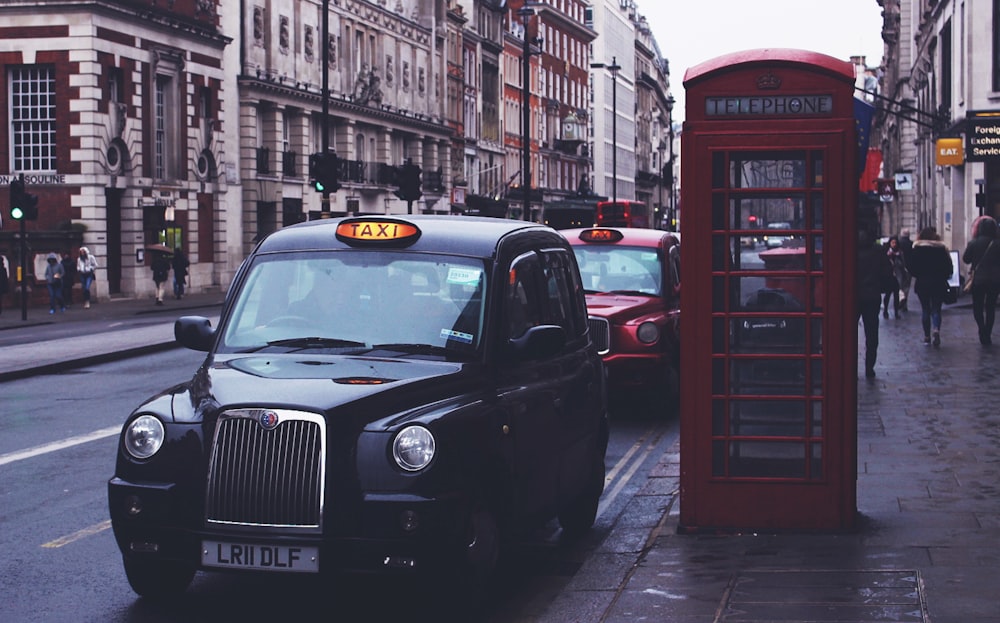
285 558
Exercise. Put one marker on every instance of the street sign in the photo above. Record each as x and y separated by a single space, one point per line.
904 181
886 189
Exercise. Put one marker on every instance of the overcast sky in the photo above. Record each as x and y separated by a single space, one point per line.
691 31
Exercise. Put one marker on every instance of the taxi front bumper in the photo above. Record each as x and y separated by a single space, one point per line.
390 533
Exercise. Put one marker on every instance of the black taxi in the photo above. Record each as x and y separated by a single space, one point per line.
631 277
398 395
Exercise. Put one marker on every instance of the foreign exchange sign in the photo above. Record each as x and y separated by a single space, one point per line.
982 136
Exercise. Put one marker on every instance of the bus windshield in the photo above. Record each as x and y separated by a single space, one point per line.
622 213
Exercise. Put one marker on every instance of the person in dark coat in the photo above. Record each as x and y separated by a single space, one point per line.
895 254
868 285
69 278
931 267
161 271
905 246
180 265
982 254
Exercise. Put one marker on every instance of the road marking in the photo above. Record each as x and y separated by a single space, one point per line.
79 534
609 498
45 448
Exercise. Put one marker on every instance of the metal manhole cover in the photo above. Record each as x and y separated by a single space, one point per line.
804 595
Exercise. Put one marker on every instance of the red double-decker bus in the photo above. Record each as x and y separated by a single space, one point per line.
622 213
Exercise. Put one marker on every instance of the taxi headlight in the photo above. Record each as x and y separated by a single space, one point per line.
413 448
144 436
648 333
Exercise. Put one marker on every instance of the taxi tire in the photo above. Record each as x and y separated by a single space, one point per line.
482 553
158 579
579 515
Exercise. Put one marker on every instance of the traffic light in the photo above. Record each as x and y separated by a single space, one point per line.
324 172
408 180
23 205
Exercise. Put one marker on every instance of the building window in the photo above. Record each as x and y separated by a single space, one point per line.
166 116
161 131
33 119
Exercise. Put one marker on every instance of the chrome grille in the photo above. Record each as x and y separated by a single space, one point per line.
600 333
262 477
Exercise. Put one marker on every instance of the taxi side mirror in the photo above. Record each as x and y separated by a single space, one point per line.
194 332
539 342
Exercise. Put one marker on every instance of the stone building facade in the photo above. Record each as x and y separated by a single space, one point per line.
114 113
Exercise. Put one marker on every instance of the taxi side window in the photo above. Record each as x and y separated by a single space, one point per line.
522 301
544 289
564 300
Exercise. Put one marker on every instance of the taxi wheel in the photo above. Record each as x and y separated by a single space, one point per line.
580 514
482 553
157 579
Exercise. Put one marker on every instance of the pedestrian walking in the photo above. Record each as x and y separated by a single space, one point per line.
4 282
161 271
905 246
868 283
982 254
180 265
86 267
931 267
69 278
895 284
53 280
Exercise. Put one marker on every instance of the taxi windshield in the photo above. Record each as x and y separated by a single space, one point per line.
359 300
619 269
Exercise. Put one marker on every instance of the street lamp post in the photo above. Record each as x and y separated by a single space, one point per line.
613 68
526 12
670 134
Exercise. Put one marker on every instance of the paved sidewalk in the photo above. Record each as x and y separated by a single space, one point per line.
109 330
928 545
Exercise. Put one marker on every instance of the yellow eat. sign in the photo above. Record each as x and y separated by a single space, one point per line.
950 152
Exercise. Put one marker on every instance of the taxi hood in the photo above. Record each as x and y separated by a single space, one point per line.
322 384
611 306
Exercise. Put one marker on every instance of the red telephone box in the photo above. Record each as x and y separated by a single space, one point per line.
769 189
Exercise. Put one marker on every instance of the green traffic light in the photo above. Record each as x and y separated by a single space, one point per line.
319 187
16 213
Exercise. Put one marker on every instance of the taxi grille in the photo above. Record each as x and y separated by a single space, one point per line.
600 333
262 477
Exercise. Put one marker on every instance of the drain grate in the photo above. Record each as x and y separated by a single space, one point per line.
803 595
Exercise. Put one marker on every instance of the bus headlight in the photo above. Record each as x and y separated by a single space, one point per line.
413 448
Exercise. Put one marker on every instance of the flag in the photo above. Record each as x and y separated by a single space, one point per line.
871 172
863 115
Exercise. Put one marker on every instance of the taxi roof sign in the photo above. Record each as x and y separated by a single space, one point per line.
601 235
377 231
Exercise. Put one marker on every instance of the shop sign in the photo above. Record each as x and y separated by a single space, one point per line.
949 152
982 136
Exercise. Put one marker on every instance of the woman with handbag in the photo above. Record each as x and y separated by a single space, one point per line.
983 258
930 264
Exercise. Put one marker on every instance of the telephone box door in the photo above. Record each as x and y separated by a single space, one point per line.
769 419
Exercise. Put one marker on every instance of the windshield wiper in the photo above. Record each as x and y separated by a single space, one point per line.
630 292
312 341
415 349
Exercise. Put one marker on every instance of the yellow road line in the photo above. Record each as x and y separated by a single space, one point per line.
79 534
